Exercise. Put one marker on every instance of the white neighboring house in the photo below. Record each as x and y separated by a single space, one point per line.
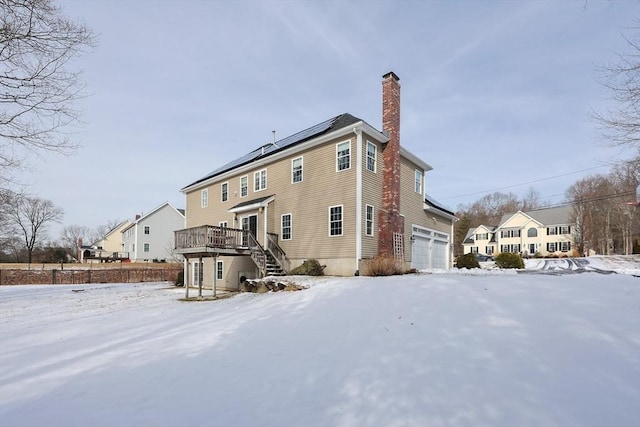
543 231
150 237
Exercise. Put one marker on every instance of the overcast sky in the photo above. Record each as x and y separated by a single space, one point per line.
495 94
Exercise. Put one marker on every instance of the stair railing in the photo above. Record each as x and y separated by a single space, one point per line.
257 253
277 252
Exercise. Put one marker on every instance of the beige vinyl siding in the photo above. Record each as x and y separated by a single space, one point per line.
308 202
412 207
371 195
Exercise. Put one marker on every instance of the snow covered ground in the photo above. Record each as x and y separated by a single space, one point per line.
465 348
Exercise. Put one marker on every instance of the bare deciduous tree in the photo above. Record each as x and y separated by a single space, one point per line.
622 124
70 234
30 216
37 87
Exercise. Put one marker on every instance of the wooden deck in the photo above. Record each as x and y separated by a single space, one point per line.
210 240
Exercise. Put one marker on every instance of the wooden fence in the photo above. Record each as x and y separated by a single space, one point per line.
78 276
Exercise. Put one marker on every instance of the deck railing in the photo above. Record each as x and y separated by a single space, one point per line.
210 236
278 253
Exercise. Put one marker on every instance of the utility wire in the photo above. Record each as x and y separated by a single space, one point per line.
521 184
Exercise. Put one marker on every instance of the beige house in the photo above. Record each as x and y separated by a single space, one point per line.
543 232
109 248
340 192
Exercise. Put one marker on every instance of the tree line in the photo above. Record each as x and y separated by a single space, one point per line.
605 219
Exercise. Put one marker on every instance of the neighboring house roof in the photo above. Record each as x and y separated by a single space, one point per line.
337 122
437 205
545 216
143 217
552 216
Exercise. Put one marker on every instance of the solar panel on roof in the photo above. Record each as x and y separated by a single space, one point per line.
268 149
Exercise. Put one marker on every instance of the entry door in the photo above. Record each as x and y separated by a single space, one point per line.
250 223
532 248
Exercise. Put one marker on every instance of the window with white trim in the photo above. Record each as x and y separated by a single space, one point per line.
197 273
146 247
296 170
224 224
512 232
335 220
551 246
488 250
418 181
369 220
147 229
482 236
260 180
244 186
219 270
343 156
565 246
285 229
474 249
224 191
372 152
204 198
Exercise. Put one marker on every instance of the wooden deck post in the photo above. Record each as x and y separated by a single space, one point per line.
186 278
215 273
200 276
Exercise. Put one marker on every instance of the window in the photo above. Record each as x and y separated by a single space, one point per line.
369 220
343 155
197 273
474 249
552 231
564 229
146 247
335 220
204 198
371 156
510 248
532 232
296 170
146 229
224 190
223 224
285 230
219 270
418 181
488 250
482 236
565 246
244 186
551 247
260 180
510 233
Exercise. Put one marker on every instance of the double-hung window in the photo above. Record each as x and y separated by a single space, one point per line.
335 220
204 198
369 220
343 156
244 186
224 190
260 180
418 181
147 229
146 247
296 170
219 270
371 156
285 230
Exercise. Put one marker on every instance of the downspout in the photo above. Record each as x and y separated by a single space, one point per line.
358 133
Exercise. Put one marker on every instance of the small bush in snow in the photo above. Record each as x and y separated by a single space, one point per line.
509 260
383 266
310 267
467 261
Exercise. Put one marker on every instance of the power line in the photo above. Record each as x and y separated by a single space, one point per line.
522 184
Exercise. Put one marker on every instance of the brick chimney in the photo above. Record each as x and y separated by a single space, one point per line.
389 220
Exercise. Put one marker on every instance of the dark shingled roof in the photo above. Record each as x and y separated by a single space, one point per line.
435 204
267 150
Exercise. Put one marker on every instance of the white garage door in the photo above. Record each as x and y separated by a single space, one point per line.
429 249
